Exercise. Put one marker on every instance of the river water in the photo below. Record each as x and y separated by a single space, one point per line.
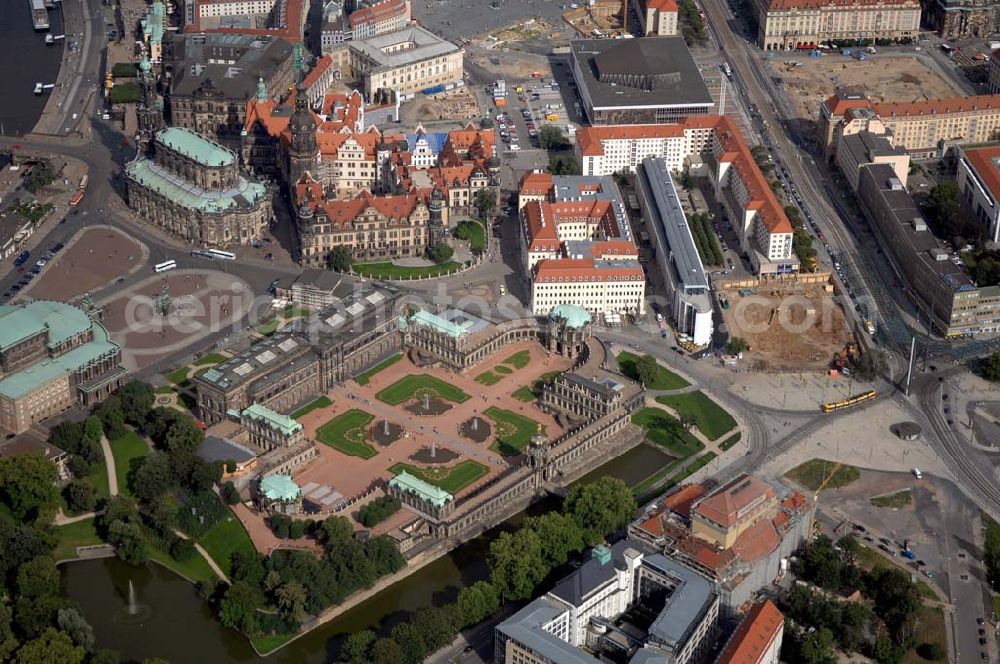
181 628
25 60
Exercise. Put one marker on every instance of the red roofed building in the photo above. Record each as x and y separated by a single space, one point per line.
657 17
765 232
757 640
379 18
979 183
803 24
209 16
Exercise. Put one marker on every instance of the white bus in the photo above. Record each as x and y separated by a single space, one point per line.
164 266
204 255
224 255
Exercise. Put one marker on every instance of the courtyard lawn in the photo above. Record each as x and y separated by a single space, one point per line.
665 378
488 378
534 391
210 358
98 478
817 474
415 385
125 449
513 431
178 376
519 360
708 416
365 376
447 478
523 394
268 328
477 235
389 271
296 311
321 402
225 538
72 535
348 433
166 389
665 430
503 369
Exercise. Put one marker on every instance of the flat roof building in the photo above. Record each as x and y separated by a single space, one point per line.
676 253
865 147
979 182
653 80
406 61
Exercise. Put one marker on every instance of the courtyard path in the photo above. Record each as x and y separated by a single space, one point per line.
204 554
109 461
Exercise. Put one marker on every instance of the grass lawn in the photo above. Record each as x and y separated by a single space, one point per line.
665 378
98 478
195 570
503 369
222 540
166 389
893 500
265 644
268 328
447 478
209 358
817 473
708 416
930 629
729 442
996 605
178 376
348 433
415 385
70 536
665 430
513 431
125 449
477 235
519 360
365 376
650 481
524 394
534 391
870 559
386 270
488 378
296 311
321 402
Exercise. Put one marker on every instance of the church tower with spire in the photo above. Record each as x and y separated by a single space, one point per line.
149 115
302 125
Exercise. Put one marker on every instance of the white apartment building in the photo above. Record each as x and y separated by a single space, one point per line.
234 8
657 17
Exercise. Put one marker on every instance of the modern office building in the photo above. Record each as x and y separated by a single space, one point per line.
926 129
676 254
979 184
757 639
653 80
862 148
406 61
947 299
713 147
657 18
577 248
53 356
585 610
192 188
805 24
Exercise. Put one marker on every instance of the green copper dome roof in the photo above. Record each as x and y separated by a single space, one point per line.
575 317
144 64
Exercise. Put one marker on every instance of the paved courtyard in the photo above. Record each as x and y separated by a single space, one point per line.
94 258
352 475
201 302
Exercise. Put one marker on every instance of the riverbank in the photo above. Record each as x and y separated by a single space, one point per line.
74 27
24 61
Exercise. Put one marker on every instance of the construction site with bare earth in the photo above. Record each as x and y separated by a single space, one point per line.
794 326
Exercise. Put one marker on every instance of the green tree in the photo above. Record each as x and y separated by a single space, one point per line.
600 508
565 164
517 564
485 201
387 651
340 259
41 175
561 535
153 477
335 529
551 137
897 602
27 484
8 640
411 641
137 400
933 652
435 626
51 646
105 656
80 496
440 253
230 493
297 529
817 647
356 646
111 416
183 435
378 510
238 607
158 421
737 345
291 598
92 429
118 508
477 602
183 550
37 577
647 369
67 436
75 625
246 566
130 546
990 368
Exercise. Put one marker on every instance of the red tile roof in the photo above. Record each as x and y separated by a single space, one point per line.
938 106
816 4
292 22
838 104
536 184
723 506
756 541
754 636
981 159
583 270
662 5
379 12
680 501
